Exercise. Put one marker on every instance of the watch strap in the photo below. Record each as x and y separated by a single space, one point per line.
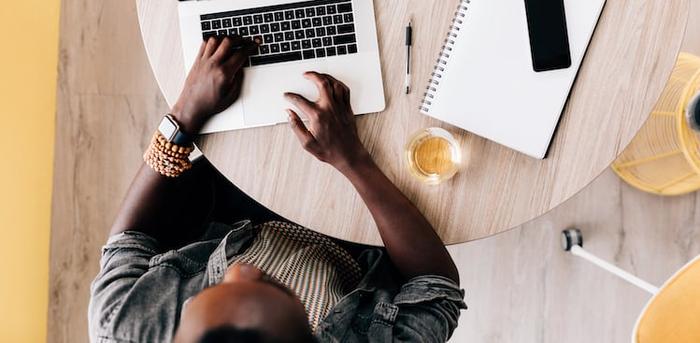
182 139
178 137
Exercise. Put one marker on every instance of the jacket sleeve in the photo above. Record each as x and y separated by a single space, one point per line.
125 258
428 308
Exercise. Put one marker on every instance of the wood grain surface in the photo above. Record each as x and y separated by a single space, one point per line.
520 287
628 63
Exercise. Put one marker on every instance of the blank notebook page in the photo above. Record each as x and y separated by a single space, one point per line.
488 85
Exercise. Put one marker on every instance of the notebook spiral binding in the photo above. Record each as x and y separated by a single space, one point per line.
444 56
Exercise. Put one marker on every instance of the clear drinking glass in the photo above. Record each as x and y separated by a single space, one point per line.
433 155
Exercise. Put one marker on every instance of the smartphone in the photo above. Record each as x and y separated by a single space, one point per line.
549 37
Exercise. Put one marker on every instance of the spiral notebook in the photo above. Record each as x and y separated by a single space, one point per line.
484 82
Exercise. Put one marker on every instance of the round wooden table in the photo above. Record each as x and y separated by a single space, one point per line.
628 63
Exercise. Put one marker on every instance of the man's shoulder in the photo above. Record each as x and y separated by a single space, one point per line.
139 292
385 308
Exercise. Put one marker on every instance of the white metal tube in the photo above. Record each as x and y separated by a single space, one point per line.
580 252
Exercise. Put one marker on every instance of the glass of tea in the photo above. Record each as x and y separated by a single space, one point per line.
433 155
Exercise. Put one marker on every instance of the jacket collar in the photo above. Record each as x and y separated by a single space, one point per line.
235 239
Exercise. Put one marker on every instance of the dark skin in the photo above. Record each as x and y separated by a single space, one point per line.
213 84
330 135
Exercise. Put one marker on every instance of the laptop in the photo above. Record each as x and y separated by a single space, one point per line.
336 37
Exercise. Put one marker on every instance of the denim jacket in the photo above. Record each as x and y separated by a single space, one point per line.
139 293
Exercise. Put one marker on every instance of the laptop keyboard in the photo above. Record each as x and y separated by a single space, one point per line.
290 32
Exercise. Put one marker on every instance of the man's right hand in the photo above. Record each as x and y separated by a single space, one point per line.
214 83
331 134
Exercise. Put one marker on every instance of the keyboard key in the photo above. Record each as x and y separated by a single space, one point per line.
223 33
346 7
321 52
247 20
330 9
265 28
243 31
289 15
317 22
269 17
275 27
207 35
320 31
342 50
310 12
331 30
306 23
306 44
279 36
316 42
216 24
296 45
328 20
348 18
327 41
279 16
352 49
337 19
274 48
278 58
268 39
289 36
299 14
227 22
296 24
237 22
346 39
309 54
264 49
299 34
285 47
321 10
258 18
330 51
257 39
254 30
233 32
206 26
286 26
310 33
346 28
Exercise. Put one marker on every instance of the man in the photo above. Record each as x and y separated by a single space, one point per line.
164 276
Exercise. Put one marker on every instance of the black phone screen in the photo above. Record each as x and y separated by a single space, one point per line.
549 39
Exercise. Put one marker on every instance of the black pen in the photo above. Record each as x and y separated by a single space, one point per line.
409 43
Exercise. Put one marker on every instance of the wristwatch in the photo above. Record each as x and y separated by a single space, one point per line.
170 129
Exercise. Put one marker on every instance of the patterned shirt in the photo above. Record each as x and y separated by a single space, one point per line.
140 291
316 269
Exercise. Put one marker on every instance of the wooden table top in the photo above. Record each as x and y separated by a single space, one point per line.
627 65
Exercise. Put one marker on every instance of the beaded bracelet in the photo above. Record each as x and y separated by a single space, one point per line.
166 158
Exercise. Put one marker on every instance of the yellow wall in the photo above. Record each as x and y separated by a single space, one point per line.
28 60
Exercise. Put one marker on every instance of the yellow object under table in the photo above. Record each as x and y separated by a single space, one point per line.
673 314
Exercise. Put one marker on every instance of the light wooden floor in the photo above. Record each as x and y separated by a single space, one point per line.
520 287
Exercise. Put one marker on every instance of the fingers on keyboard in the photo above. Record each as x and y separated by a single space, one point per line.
289 32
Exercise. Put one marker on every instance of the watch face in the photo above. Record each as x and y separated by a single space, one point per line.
167 128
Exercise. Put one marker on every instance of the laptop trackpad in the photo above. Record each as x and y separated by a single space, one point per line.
264 88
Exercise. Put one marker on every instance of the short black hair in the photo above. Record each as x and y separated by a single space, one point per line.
232 334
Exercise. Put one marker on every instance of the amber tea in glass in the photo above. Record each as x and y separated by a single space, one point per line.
433 155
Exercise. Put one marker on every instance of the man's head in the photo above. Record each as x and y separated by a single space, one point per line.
246 307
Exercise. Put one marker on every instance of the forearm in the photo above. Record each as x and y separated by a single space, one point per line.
409 238
171 210
144 206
